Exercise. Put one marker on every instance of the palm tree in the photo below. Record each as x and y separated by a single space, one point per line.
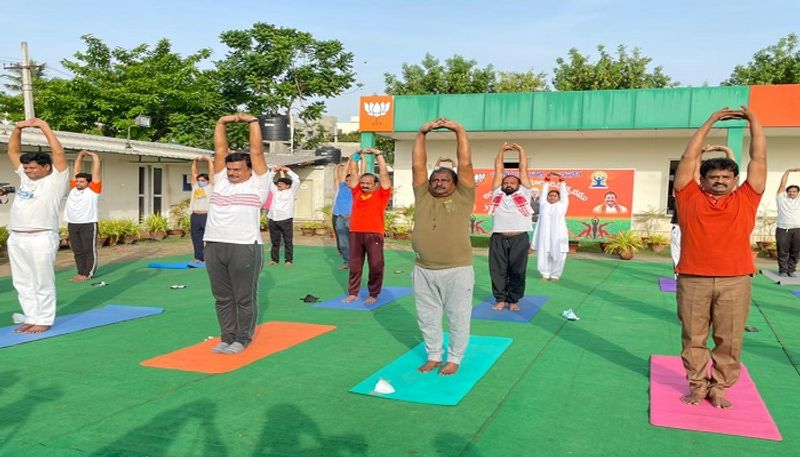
13 82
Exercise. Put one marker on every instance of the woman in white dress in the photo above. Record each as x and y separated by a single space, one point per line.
551 238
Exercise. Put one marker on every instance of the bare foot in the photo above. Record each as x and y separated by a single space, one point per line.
448 369
429 366
499 306
272 262
350 298
23 328
554 279
544 279
513 307
37 329
695 397
288 264
717 398
343 267
370 300
79 278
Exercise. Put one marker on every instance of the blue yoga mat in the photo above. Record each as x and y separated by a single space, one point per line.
388 295
175 266
796 292
412 386
98 317
528 307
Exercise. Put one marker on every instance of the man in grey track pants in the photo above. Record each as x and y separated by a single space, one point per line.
233 252
443 275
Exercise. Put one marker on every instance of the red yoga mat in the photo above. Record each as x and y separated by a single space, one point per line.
749 416
268 339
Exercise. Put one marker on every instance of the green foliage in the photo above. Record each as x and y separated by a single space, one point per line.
156 223
178 212
625 241
327 213
776 64
111 87
3 236
274 68
264 222
185 224
111 228
520 82
658 238
625 71
457 76
129 227
13 80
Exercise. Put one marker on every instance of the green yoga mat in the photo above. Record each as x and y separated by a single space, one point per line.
412 386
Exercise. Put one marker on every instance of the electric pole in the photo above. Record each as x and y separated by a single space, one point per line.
27 80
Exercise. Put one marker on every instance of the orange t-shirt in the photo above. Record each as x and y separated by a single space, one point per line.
368 209
715 235
97 187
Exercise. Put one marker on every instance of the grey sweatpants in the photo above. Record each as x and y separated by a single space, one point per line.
447 291
233 271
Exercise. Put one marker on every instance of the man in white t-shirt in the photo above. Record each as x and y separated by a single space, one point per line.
787 233
511 221
233 252
81 215
33 226
281 213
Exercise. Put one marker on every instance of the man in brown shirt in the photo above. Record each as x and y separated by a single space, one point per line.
443 276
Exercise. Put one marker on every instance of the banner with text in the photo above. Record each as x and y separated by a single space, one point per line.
599 200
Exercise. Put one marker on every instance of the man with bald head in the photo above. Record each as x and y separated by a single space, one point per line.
443 276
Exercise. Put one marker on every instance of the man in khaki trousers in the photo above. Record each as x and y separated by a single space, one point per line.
716 219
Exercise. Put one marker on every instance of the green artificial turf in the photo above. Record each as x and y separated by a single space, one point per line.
562 388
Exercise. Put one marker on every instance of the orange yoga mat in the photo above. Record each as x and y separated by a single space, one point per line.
269 338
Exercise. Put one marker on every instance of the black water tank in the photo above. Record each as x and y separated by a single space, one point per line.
328 154
275 127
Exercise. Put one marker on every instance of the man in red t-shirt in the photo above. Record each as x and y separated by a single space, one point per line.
716 219
370 196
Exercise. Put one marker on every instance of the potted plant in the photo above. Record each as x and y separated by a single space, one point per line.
103 232
657 243
625 244
157 225
129 231
307 228
3 239
573 246
401 232
772 250
63 234
648 221
176 213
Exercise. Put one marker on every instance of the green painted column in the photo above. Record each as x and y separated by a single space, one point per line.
368 141
735 140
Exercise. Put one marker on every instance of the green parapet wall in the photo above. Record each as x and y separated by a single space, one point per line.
580 110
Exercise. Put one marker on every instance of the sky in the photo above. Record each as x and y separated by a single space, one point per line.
694 42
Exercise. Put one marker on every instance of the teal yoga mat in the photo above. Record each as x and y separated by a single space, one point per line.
412 386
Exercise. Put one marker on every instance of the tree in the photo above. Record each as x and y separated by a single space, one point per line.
520 82
776 64
270 68
626 71
112 86
457 76
13 80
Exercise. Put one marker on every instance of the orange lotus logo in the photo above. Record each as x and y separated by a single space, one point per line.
377 114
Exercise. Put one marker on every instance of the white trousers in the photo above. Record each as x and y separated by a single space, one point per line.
551 265
675 245
33 260
447 291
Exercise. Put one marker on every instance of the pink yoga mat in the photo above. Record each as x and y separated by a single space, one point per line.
748 417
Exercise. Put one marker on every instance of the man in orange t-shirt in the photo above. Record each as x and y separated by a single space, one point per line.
370 197
716 219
